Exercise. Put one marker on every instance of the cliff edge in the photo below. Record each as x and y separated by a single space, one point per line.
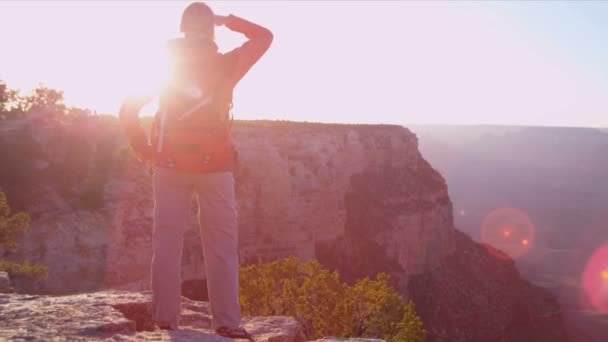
121 316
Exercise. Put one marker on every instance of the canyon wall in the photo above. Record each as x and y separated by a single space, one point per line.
310 190
359 198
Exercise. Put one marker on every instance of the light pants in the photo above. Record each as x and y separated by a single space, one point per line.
173 192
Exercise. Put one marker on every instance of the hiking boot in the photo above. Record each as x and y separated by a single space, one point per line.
238 332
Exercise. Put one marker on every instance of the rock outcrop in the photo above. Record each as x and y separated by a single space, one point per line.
310 190
121 316
473 296
330 191
5 283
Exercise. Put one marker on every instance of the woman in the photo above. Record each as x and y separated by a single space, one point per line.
193 154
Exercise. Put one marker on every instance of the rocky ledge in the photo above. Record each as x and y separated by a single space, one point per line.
121 316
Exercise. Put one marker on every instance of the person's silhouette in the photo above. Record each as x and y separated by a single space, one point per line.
191 148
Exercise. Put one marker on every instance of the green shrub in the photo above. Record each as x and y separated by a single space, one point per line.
410 329
324 305
33 271
11 226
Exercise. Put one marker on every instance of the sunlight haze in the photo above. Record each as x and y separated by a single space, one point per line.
511 63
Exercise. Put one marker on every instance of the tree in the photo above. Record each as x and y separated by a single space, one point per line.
47 100
44 101
77 113
11 226
10 102
324 305
4 96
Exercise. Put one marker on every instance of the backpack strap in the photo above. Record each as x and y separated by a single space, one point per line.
205 101
161 127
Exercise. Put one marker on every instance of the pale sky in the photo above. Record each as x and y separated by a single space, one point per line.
511 63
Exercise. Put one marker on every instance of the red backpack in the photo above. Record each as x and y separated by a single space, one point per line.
191 130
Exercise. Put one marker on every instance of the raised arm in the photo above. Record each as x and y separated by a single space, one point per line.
250 52
129 121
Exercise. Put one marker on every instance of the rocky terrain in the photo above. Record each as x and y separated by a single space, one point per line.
359 198
121 316
475 296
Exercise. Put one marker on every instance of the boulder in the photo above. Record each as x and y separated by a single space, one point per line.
5 283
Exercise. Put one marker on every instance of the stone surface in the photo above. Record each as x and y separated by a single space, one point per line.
5 283
121 316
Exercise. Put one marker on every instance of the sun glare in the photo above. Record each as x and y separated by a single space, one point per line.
509 230
595 279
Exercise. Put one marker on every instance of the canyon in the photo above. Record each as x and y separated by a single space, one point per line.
555 175
359 198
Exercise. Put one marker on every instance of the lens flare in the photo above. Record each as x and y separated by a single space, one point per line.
509 230
595 279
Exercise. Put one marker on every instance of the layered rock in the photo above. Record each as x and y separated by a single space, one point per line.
121 316
330 191
476 296
309 190
359 198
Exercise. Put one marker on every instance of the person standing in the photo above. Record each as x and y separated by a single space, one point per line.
191 148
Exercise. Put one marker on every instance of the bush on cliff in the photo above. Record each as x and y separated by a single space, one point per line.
324 305
10 102
11 226
48 103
